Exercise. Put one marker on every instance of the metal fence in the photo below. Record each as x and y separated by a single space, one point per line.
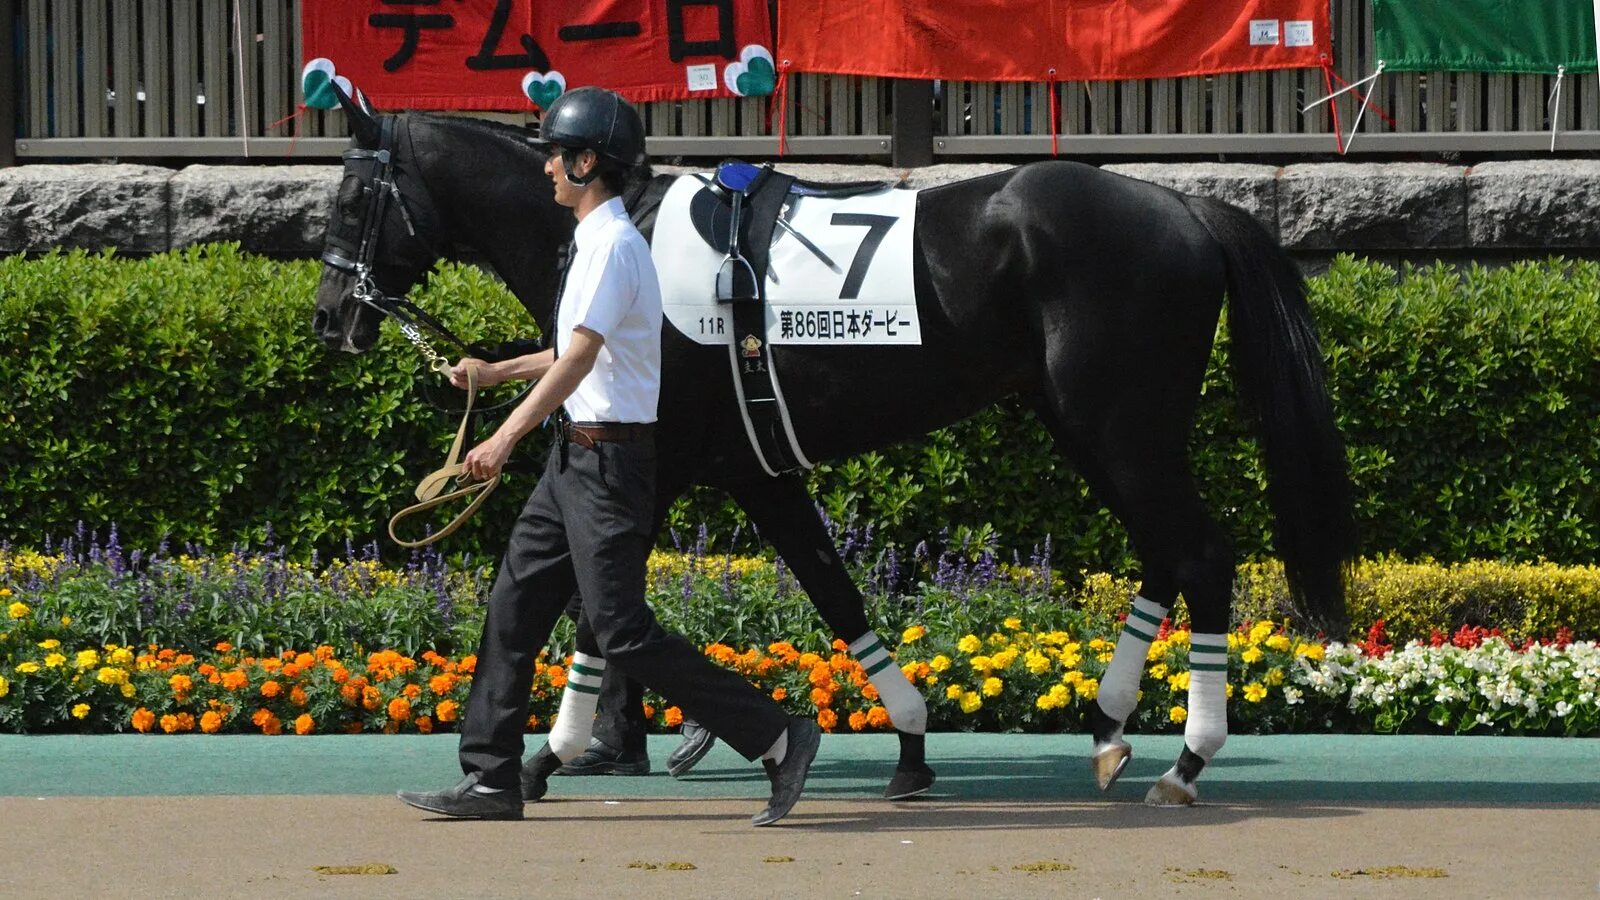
168 78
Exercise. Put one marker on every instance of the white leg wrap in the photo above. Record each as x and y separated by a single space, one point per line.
908 712
1119 688
575 720
1206 729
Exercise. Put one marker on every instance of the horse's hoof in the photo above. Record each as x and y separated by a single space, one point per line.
1108 762
1171 791
908 782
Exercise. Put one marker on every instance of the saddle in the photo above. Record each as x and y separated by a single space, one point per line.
738 212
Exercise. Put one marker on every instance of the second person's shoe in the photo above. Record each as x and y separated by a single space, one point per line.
603 759
697 742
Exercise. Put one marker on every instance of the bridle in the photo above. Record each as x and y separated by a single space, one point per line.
411 318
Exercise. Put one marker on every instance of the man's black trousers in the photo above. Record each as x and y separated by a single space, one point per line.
587 528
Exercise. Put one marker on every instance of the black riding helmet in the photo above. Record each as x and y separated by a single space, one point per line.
593 118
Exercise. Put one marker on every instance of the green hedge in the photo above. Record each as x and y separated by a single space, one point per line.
184 394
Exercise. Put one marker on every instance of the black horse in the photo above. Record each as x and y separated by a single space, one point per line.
1093 296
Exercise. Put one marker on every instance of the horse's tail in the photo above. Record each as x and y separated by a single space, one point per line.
1280 372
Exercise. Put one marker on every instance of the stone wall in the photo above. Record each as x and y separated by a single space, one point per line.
1403 210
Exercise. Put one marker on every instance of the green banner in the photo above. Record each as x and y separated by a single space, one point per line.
1535 36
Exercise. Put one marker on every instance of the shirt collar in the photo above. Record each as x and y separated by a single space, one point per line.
597 219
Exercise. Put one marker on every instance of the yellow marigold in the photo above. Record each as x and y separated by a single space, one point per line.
1100 644
128 690
1254 692
1159 670
952 692
1037 663
1179 638
828 719
1045 701
858 720
1273 678
913 634
1309 651
992 687
399 710
969 644
18 610
1178 714
1157 650
5 686
1252 655
1088 688
143 720
111 675
51 644
1178 681
971 702
122 656
271 689
1278 642
1260 632
81 711
210 722
877 717
981 664
939 663
304 724
54 660
169 723
673 716
1005 658
1230 690
88 659
1012 623
446 711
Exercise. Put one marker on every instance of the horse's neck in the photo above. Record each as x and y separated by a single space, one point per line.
494 198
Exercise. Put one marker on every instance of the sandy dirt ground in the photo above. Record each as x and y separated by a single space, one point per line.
272 846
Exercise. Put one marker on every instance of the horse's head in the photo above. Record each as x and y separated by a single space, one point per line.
382 233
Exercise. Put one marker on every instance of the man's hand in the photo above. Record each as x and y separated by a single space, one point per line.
486 460
488 373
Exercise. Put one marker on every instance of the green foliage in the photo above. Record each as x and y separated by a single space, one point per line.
184 395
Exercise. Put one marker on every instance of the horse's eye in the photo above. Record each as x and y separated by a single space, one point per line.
351 193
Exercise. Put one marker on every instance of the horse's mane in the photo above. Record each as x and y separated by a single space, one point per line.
516 135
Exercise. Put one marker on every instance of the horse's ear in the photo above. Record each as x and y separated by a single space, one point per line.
363 124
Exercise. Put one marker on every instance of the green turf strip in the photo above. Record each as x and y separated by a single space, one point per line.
1302 768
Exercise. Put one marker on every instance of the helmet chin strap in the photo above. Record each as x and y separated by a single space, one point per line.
569 161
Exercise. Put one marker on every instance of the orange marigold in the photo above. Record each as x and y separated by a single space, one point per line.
184 659
352 728
779 693
271 689
840 645
424 724
821 698
181 684
371 699
207 669
305 660
304 724
169 723
291 671
340 675
858 720
271 665
399 710
469 664
234 680
828 719
674 717
224 647
298 696
869 692
412 691
350 694
649 711
446 711
820 675
533 722
185 721
877 717
143 720
166 654
442 684
210 722
324 652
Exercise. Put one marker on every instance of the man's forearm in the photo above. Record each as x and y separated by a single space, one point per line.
525 368
556 382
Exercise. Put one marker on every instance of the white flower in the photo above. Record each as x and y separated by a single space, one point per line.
1562 708
1291 695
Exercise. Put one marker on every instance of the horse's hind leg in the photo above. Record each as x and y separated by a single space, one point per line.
782 510
1126 433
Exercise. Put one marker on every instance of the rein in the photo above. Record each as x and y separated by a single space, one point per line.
412 319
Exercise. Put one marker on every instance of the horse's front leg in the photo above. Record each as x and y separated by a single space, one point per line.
782 511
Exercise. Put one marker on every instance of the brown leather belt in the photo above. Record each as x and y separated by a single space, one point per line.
587 434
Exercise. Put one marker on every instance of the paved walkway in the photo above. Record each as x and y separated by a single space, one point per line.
1011 816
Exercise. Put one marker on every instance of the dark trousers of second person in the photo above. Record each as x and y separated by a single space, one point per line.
587 529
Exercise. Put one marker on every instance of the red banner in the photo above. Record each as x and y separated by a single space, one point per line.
506 54
1045 40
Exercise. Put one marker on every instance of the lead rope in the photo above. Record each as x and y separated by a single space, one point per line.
430 491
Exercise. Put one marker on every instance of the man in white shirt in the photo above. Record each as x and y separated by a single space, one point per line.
589 523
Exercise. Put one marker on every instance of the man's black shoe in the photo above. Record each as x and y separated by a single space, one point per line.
463 802
789 777
536 774
697 741
603 759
